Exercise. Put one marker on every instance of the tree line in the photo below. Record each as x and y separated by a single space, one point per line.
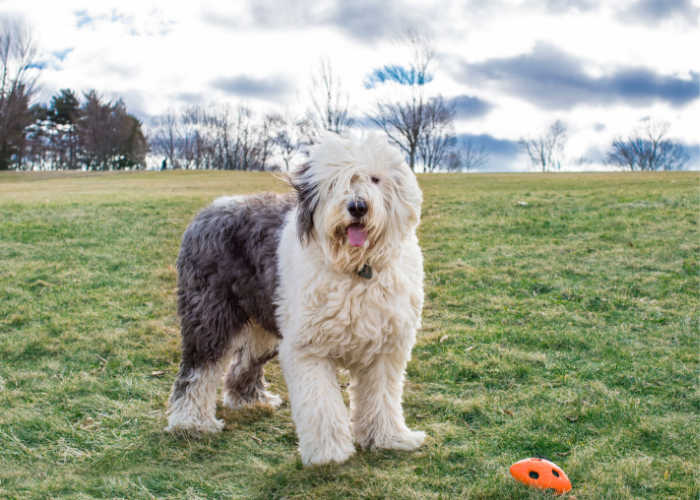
94 134
89 132
223 137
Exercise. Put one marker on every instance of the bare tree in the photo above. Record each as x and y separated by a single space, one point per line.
405 122
266 140
221 123
291 136
18 77
330 102
402 123
192 145
468 154
218 137
164 140
547 149
422 55
438 133
648 149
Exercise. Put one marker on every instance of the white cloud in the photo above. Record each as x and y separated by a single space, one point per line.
158 54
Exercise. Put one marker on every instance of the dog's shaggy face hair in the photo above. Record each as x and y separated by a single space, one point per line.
343 172
330 276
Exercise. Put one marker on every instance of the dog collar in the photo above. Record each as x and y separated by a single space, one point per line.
365 272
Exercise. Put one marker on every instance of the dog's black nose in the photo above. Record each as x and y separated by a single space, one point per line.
357 207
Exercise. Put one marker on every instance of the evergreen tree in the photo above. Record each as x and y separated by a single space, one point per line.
64 113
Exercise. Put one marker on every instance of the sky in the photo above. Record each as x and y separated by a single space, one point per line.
510 67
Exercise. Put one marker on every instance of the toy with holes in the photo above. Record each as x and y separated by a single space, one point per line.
542 474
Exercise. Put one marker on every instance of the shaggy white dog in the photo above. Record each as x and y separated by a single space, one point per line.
334 275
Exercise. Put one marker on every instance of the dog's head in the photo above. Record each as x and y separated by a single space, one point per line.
357 199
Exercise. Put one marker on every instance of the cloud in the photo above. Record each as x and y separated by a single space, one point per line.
560 6
501 154
62 54
468 107
120 69
189 97
134 100
82 18
368 20
363 20
553 79
652 12
86 18
491 144
134 22
247 86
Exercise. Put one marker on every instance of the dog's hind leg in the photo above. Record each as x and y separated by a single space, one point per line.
210 328
245 381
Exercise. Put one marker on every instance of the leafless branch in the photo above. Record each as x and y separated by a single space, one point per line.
330 102
547 149
648 148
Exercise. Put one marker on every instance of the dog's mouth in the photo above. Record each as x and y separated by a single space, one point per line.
357 234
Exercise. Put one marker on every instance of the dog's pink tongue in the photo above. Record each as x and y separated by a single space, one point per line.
357 235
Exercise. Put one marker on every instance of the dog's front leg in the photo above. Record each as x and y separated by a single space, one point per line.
375 402
318 410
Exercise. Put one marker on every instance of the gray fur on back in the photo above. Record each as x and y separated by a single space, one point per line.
227 272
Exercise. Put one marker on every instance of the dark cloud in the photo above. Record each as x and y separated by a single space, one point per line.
275 14
492 145
502 154
370 20
652 12
365 20
560 6
468 107
554 79
190 97
247 86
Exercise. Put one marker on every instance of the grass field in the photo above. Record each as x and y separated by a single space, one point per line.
561 321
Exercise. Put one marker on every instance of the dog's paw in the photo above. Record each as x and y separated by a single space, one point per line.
234 402
271 399
327 454
264 397
208 426
407 441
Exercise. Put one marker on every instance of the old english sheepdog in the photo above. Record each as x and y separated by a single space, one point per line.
329 276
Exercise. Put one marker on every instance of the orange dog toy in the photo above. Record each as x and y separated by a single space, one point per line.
542 474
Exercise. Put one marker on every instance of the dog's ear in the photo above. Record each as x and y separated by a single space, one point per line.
307 198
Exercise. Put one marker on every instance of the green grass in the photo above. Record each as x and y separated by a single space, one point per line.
564 327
